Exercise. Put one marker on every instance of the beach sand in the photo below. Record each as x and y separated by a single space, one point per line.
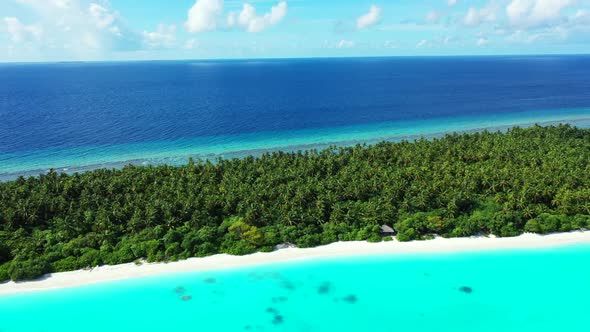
340 249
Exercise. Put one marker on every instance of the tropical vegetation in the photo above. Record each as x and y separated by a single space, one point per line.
522 180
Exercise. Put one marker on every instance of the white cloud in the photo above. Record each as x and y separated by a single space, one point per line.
62 4
439 41
518 8
582 16
500 31
451 3
390 44
203 15
553 34
534 13
20 32
448 40
346 44
80 26
516 36
409 26
472 17
251 22
191 44
116 31
483 41
341 44
476 17
548 21
164 36
369 19
102 17
433 17
90 41
423 43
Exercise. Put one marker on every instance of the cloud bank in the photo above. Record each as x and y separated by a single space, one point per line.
206 15
203 15
78 25
251 22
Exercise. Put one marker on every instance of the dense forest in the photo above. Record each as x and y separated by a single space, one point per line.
524 180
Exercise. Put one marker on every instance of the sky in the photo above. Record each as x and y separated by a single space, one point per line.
105 30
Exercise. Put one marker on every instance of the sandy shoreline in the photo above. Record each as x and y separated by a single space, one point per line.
340 249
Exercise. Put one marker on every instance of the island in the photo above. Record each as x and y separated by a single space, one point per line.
534 180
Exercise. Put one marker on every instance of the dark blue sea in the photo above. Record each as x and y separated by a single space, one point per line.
76 116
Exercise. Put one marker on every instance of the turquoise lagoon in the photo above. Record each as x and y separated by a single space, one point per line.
177 152
517 290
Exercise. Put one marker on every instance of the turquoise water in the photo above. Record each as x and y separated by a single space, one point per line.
177 151
524 290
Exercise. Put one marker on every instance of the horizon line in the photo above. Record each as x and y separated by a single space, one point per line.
298 58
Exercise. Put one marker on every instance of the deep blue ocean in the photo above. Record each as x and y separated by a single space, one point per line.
75 116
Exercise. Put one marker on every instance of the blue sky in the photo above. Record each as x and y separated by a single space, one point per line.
66 30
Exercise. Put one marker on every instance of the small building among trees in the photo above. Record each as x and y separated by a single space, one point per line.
387 231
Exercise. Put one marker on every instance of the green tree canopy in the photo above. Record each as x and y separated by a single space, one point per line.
533 179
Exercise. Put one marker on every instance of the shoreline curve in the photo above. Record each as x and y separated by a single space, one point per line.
439 245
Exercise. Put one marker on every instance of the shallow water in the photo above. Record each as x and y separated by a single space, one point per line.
523 290
177 152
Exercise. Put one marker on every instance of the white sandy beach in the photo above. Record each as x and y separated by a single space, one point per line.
340 249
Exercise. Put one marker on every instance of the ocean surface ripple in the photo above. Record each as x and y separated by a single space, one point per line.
87 115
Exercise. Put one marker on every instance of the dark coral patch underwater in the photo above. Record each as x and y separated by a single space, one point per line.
279 299
278 319
352 299
325 288
288 285
466 289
